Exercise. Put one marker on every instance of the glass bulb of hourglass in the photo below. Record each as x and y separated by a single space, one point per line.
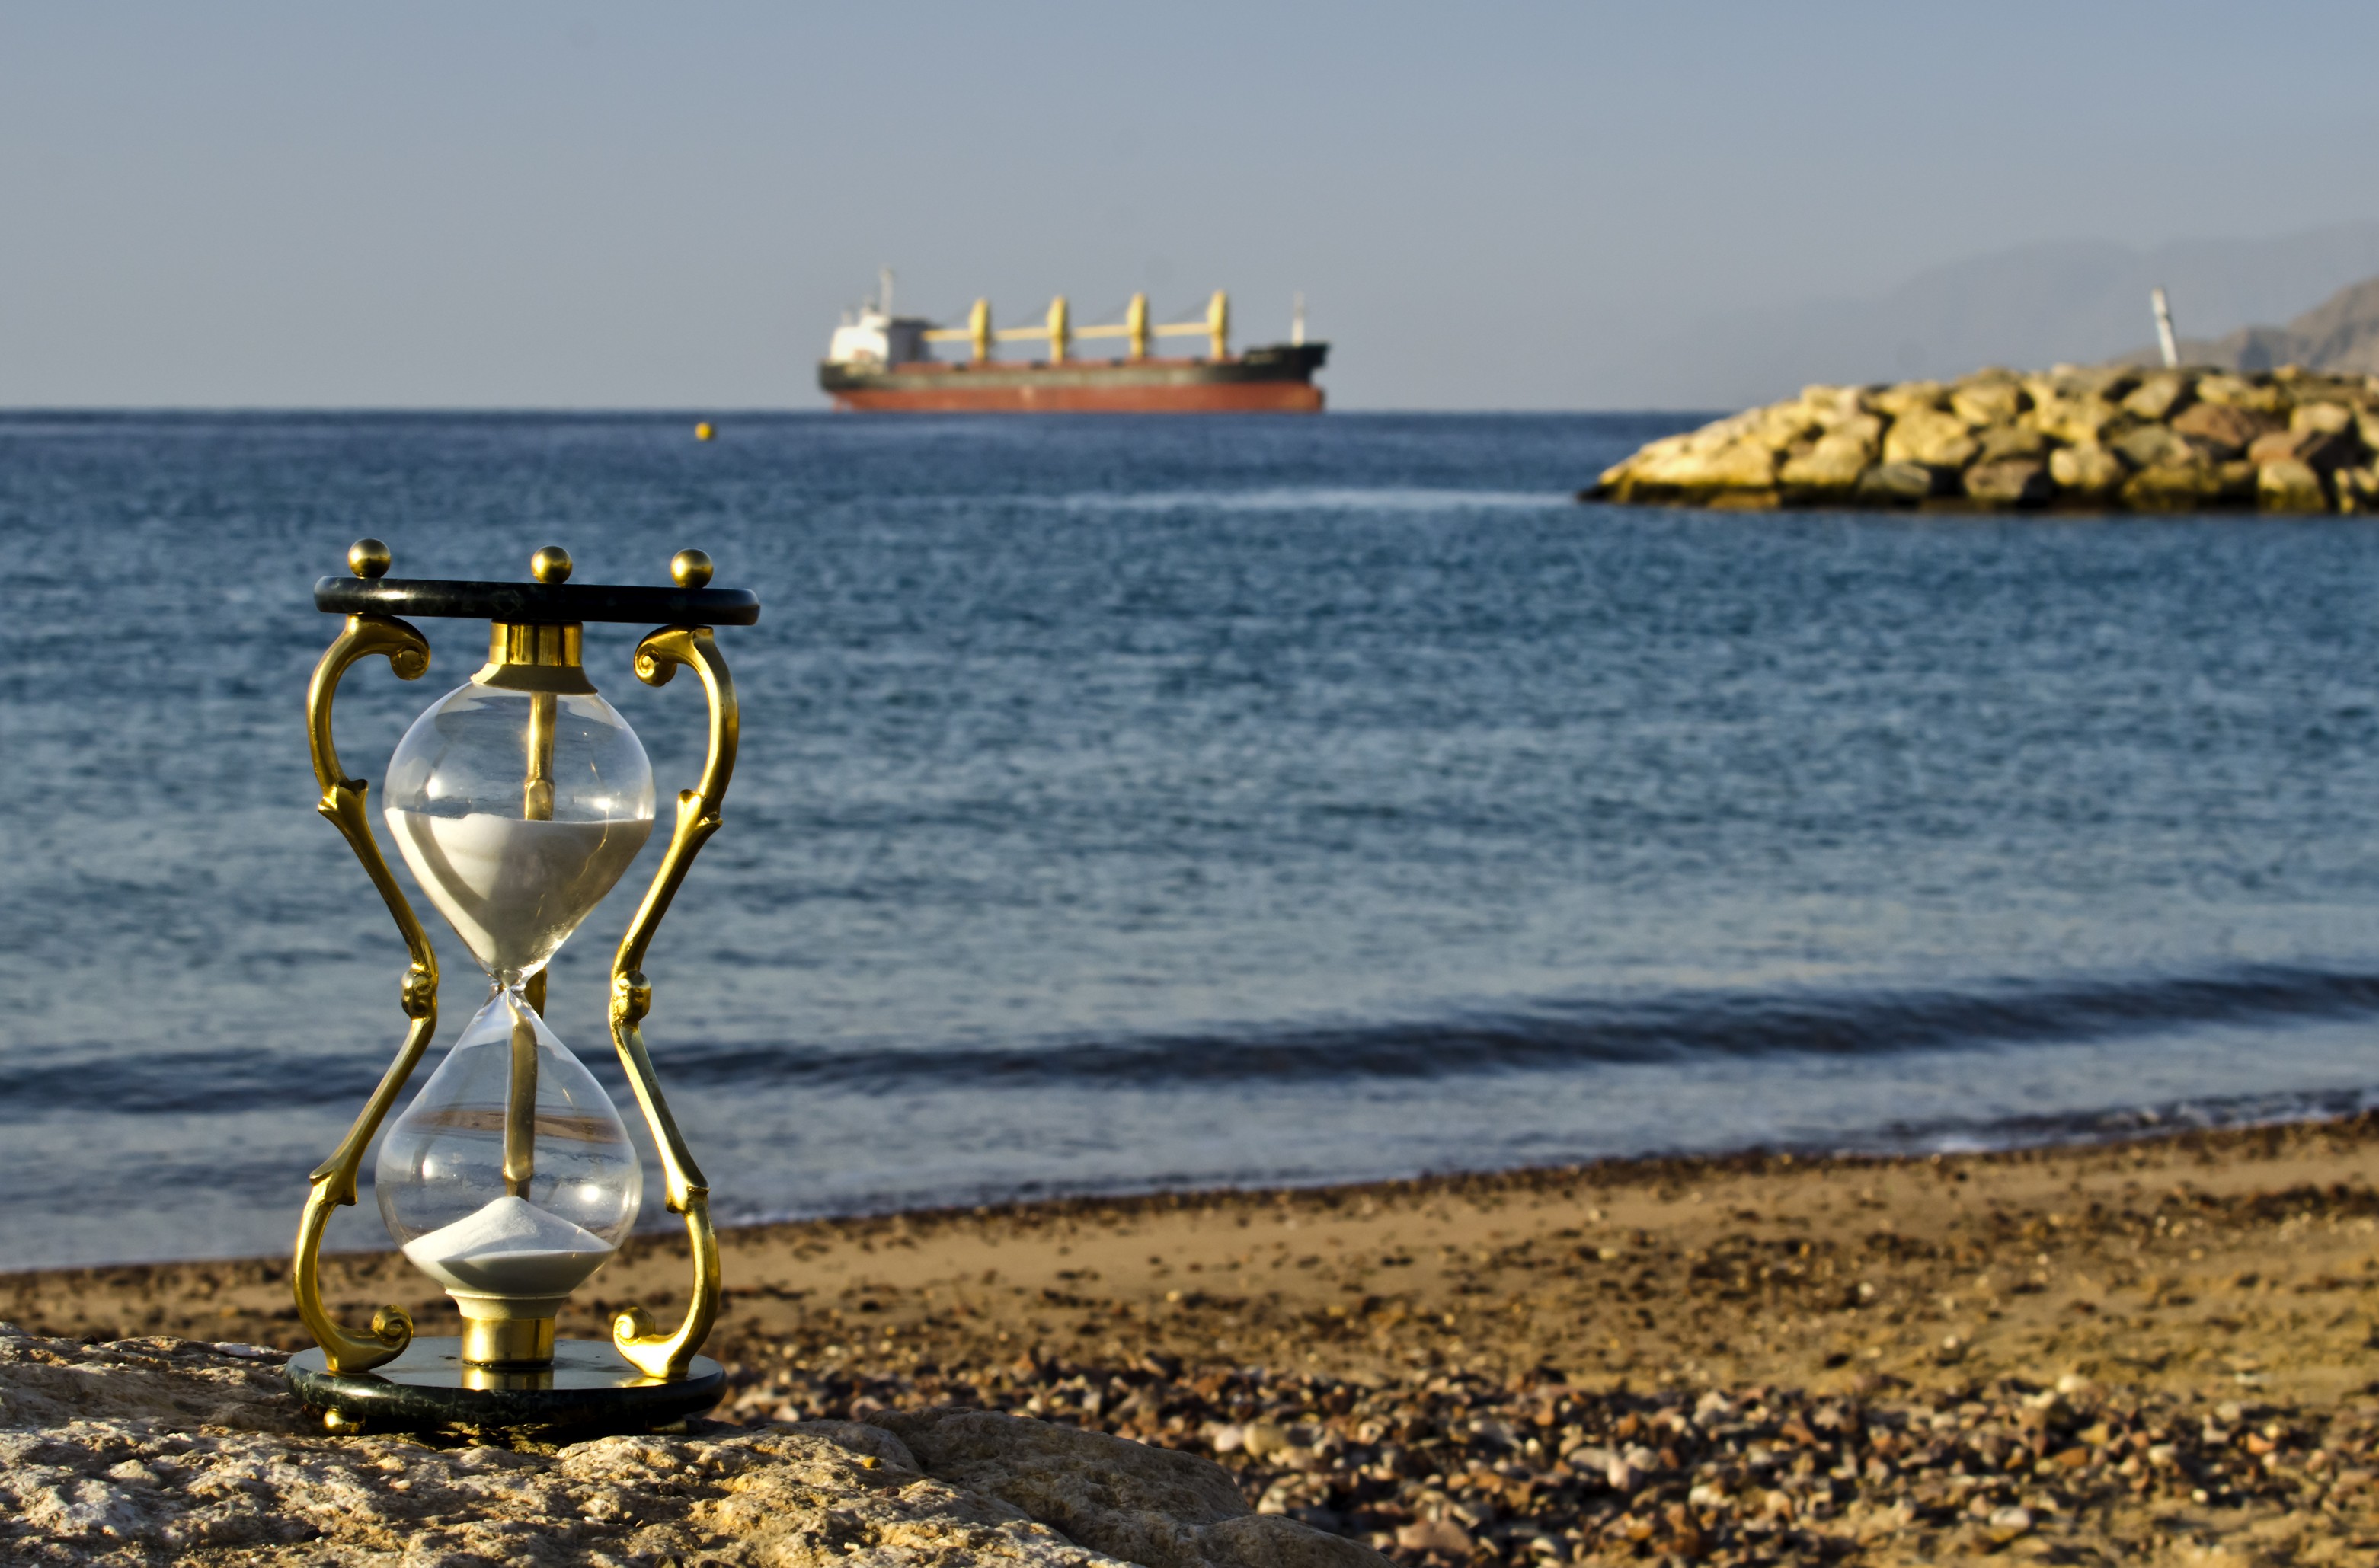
509 1180
508 1196
517 811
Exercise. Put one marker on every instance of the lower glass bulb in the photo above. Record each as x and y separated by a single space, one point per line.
509 1180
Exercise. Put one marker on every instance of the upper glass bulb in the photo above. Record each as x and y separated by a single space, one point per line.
518 811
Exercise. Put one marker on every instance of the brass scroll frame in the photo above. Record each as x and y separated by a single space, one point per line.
333 1181
659 1354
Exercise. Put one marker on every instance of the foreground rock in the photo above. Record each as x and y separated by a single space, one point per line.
159 1450
2099 440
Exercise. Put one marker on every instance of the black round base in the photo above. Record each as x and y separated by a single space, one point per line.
590 1389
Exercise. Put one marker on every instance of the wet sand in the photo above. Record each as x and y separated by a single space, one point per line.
2161 1349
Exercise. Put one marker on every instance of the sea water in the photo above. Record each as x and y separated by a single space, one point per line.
1125 803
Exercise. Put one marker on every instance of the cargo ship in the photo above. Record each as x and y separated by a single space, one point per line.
881 362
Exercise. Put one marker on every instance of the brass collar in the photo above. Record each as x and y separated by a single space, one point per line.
527 657
524 1343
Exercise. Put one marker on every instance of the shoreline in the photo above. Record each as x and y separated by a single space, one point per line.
2101 1350
1672 1207
2055 1133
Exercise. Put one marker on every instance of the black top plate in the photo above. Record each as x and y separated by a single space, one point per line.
536 604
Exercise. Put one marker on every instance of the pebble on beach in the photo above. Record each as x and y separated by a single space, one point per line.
1459 1467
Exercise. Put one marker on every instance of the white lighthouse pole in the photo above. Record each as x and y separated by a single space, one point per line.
2164 329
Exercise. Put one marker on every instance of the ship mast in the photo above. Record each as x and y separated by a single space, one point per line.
1060 333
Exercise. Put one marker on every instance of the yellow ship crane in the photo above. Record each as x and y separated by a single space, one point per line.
1060 333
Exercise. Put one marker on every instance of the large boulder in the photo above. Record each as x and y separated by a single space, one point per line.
1908 397
1781 425
2016 482
1731 453
160 1450
2156 446
1988 399
2291 486
2076 421
1928 436
1744 465
2322 451
2256 394
2001 443
2334 419
2172 488
1896 484
1831 466
2087 473
2161 395
1836 405
2227 428
1867 427
2109 383
2357 488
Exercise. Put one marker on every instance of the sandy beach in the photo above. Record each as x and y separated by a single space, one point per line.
2086 1354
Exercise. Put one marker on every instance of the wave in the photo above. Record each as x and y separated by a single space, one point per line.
1318 498
1551 1035
1899 1139
1950 1136
1571 1033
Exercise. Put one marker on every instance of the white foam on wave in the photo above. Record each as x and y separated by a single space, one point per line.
1319 497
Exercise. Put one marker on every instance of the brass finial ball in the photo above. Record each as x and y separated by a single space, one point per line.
550 564
690 569
704 431
368 557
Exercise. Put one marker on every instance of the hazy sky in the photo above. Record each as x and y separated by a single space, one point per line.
665 206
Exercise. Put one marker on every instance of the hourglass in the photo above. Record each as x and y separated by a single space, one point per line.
517 800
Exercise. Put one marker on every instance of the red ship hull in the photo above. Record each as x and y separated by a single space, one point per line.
1274 398
1269 381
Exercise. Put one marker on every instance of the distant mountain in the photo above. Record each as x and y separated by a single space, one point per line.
2082 302
2342 334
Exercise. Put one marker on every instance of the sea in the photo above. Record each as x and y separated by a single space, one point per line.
1145 804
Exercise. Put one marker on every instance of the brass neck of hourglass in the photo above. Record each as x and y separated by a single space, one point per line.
520 1111
525 656
499 1342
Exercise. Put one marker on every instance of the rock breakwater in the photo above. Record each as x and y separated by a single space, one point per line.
2103 439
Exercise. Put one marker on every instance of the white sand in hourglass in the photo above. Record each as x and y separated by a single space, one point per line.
510 1247
515 889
